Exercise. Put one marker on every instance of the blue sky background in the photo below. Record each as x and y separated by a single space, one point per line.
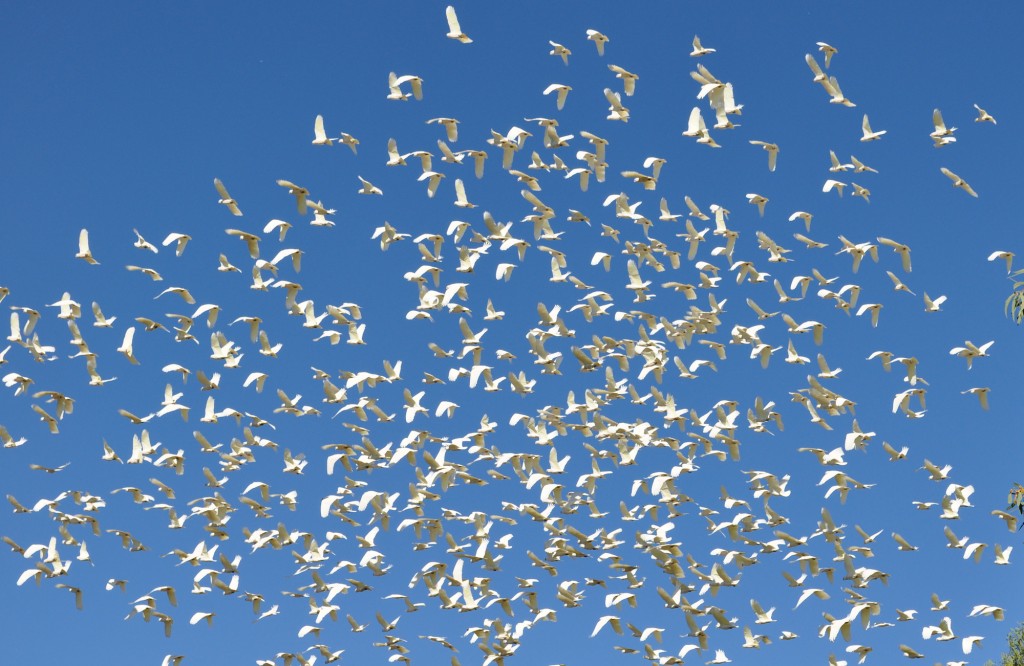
120 117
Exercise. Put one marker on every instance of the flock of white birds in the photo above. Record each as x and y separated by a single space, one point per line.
637 542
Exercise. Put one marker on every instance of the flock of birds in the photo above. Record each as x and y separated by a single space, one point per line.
464 553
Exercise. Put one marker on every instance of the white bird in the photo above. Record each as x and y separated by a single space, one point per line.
895 455
460 195
699 49
349 141
829 51
226 266
900 249
143 244
616 110
281 226
983 116
694 209
773 153
413 406
563 93
180 291
148 272
861 650
559 50
225 198
294 253
809 592
629 79
958 181
953 541
968 642
910 652
199 616
395 86
941 135
454 30
831 184
126 345
898 284
793 357
1004 255
762 617
860 167
433 179
970 351
902 543
995 612
981 392
868 133
319 134
598 39
300 193
720 658
75 591
181 241
759 201
83 248
8 441
836 164
368 187
832 88
611 620
695 127
451 128
819 75
936 473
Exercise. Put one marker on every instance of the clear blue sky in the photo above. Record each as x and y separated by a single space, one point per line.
120 118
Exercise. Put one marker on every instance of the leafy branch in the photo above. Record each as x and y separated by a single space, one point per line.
1015 299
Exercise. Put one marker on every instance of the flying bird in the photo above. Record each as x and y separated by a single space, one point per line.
300 194
829 51
84 252
958 181
454 30
868 133
983 116
699 49
773 153
319 134
225 198
598 39
563 93
559 50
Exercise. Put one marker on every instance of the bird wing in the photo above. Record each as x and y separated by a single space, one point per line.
460 191
453 20
221 189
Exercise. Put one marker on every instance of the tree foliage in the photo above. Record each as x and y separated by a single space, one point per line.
1015 643
1014 305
